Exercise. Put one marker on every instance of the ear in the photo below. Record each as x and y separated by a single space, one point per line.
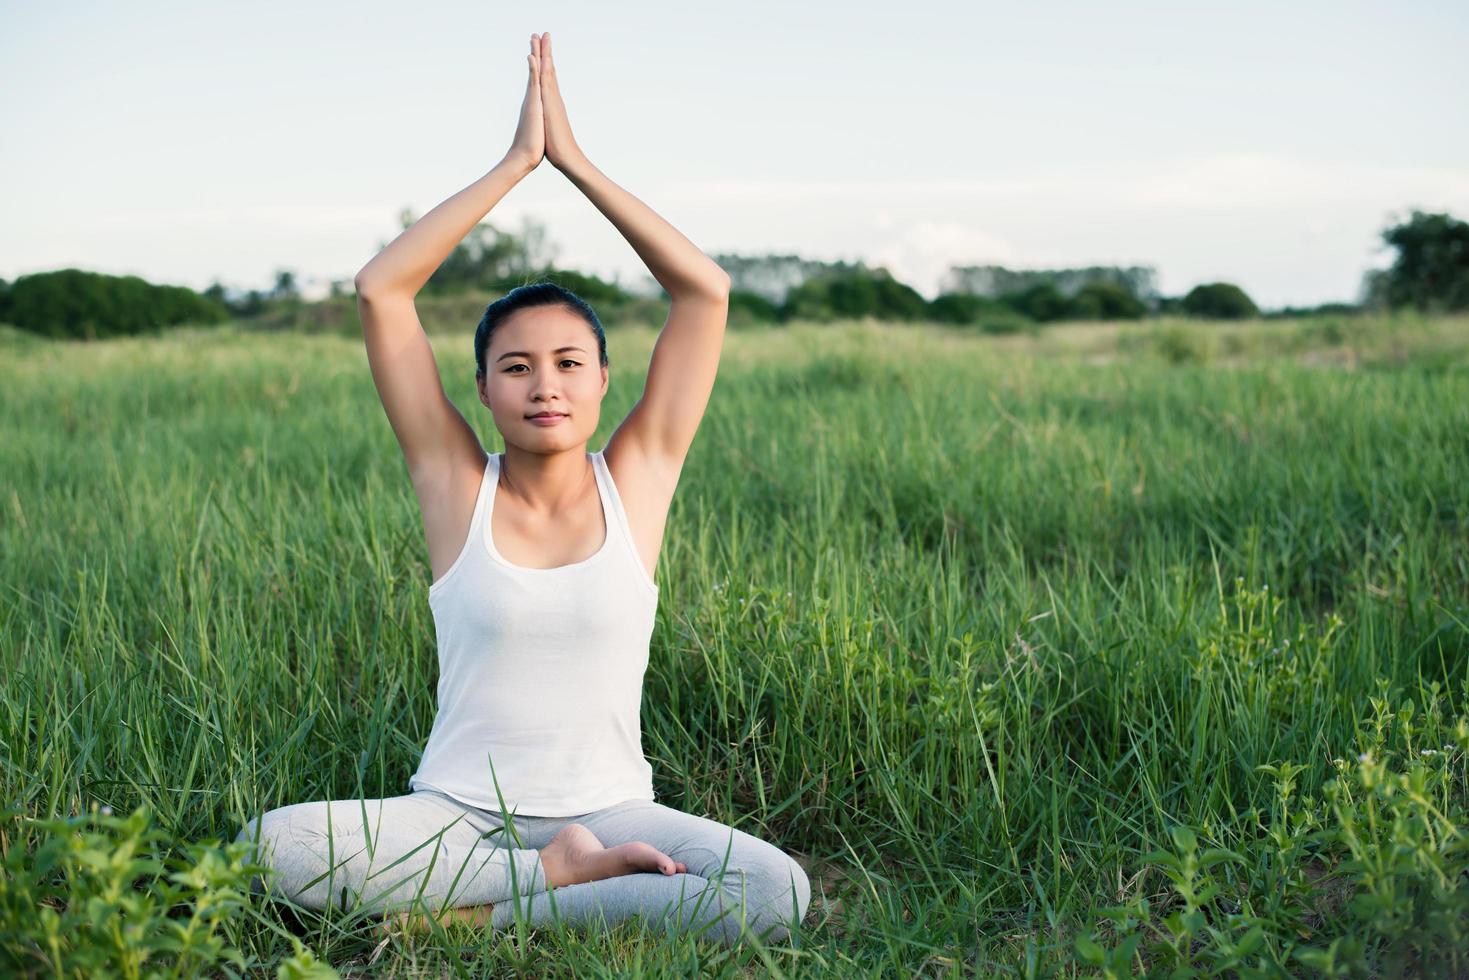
605 379
479 386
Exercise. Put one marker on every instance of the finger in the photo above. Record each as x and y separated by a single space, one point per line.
546 50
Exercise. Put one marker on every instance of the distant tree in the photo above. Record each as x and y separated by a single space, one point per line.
4 301
856 292
960 308
1103 300
1042 302
996 280
1219 301
285 285
1431 270
251 304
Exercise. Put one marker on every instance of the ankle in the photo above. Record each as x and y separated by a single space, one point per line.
553 872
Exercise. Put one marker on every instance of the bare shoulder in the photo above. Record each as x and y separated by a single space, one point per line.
646 481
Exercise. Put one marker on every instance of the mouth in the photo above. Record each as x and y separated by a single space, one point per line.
546 416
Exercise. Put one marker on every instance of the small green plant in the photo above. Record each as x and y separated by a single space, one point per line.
1388 838
1402 830
90 895
303 965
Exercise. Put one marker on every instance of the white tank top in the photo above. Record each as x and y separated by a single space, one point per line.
541 671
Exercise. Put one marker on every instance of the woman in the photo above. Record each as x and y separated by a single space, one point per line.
533 793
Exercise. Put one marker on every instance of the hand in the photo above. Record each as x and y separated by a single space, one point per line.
529 144
561 148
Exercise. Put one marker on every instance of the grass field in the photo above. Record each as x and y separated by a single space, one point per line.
1110 649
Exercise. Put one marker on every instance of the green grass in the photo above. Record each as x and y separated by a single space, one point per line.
973 626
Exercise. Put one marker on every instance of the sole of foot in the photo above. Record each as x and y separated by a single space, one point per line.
575 855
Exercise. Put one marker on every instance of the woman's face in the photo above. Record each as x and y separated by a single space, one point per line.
544 359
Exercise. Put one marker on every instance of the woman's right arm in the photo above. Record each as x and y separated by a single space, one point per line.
429 429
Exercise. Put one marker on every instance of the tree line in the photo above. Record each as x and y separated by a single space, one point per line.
1430 273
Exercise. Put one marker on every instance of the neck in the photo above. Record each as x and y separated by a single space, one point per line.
548 483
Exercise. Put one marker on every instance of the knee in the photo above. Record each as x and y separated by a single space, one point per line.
778 892
794 890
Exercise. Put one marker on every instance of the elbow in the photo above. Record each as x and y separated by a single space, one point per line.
716 285
375 287
712 288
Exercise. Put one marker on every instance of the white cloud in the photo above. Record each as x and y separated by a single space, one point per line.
921 253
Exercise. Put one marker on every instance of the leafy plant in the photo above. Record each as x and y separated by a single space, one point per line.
91 895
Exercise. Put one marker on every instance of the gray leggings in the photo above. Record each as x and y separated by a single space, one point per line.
391 854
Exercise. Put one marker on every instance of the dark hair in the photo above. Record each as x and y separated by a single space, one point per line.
523 297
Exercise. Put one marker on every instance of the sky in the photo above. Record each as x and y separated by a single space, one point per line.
1265 144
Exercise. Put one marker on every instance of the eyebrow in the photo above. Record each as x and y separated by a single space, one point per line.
522 353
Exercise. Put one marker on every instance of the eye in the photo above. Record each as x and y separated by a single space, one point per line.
570 361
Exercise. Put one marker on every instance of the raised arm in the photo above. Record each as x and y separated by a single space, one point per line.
429 428
662 424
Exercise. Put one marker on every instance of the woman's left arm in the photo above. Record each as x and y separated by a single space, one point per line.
686 355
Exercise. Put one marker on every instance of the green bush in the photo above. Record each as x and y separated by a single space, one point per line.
1101 300
1219 301
851 294
90 895
961 308
75 304
1042 302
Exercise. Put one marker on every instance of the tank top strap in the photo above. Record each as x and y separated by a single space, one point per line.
476 522
491 473
612 506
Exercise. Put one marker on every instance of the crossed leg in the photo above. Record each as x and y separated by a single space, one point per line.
389 854
406 857
734 883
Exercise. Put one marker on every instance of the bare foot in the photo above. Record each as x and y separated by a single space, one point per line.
575 855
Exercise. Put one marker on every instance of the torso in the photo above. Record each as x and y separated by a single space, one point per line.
447 506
